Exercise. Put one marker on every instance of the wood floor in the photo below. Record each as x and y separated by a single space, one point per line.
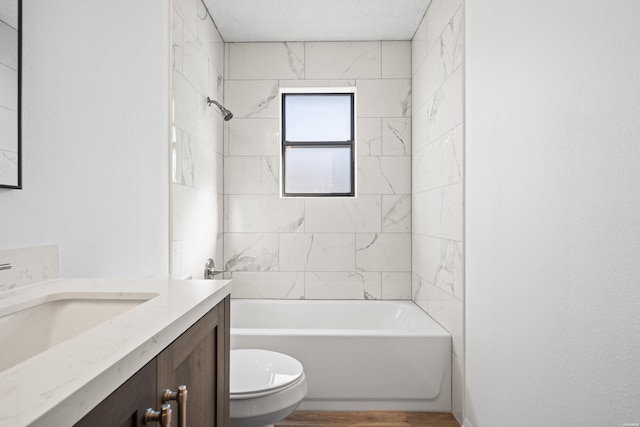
369 419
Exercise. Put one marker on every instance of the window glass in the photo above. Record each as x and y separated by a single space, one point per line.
318 170
317 117
318 144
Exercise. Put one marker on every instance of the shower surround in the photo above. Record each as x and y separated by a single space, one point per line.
197 143
401 238
438 175
328 248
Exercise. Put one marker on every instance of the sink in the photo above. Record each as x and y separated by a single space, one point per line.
30 327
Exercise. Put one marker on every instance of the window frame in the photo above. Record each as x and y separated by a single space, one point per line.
351 143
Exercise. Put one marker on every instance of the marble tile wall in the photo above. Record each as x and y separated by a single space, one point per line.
197 140
329 248
437 176
28 265
8 103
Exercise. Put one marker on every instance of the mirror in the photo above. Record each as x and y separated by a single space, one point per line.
10 80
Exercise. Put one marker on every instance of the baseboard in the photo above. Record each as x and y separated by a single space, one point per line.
467 423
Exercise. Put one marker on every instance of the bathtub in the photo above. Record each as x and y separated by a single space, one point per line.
357 355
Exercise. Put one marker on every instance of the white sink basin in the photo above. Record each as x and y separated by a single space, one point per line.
30 327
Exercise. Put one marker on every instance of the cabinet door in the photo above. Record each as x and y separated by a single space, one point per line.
126 405
199 359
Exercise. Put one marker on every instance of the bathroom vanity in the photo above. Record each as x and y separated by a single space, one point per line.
169 334
197 360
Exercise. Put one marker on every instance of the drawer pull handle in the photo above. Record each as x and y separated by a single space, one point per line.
179 396
163 416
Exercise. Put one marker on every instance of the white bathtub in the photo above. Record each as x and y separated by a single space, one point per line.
357 355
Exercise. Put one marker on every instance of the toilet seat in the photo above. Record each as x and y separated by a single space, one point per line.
254 373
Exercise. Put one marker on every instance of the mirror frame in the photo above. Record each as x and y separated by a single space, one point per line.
18 181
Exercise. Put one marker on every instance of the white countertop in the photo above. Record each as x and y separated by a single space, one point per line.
60 385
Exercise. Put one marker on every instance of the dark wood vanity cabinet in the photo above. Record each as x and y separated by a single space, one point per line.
126 405
199 359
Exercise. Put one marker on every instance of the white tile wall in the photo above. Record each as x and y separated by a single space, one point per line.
383 252
252 98
9 93
396 60
440 163
369 138
396 286
252 137
343 60
187 10
195 63
251 251
251 175
317 245
8 166
396 214
208 126
384 175
185 220
437 280
351 285
8 46
265 213
8 129
438 17
212 43
317 252
445 107
198 144
318 83
384 98
185 98
444 212
441 263
396 137
343 215
281 285
266 61
193 250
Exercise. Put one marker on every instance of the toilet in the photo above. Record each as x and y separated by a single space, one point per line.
264 387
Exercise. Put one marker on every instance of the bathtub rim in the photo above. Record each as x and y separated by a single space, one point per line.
435 329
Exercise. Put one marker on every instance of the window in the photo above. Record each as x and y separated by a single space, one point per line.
318 144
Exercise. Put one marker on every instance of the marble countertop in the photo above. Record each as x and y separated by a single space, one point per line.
60 385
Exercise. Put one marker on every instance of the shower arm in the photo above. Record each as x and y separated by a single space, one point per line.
212 101
226 114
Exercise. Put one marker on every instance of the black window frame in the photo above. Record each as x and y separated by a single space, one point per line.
351 143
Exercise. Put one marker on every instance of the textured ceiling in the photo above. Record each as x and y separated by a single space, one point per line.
316 20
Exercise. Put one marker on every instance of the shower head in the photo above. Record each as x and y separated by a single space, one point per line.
228 115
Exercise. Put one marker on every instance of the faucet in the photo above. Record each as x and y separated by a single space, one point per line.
210 269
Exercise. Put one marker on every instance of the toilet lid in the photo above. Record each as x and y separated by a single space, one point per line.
254 371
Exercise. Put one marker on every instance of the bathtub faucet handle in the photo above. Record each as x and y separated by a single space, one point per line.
210 269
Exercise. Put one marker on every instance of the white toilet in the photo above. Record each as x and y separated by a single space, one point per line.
264 387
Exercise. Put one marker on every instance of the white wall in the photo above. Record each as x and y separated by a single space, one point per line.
95 132
197 140
552 225
437 176
328 248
